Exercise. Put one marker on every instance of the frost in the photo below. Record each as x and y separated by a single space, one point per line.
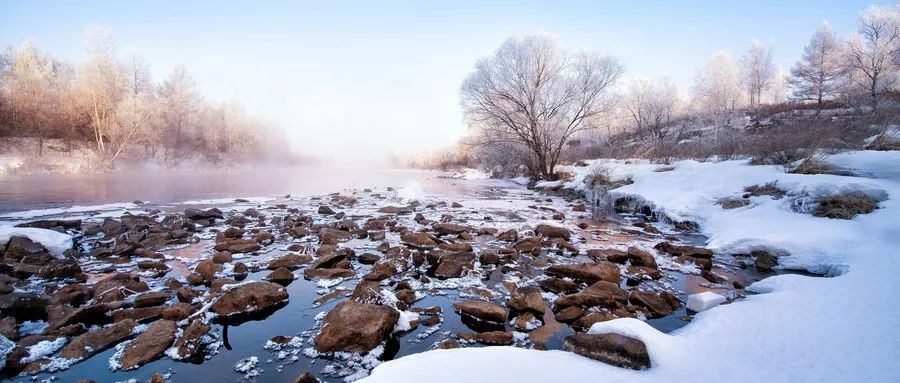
43 348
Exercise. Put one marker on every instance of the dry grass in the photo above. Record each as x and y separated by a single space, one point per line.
845 205
733 203
768 189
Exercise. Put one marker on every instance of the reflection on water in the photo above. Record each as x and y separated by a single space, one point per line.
44 190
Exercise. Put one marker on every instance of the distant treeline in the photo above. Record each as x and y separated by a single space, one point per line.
112 105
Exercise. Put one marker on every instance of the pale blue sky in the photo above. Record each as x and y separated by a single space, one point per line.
371 77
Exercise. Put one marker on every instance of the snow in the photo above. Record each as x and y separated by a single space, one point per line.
795 328
411 192
225 201
30 214
55 242
43 349
704 301
6 346
470 174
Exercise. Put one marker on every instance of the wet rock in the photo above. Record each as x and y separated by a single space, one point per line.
233 233
88 315
586 321
222 257
74 295
153 266
703 263
250 297
684 250
329 236
455 265
368 258
53 224
9 328
199 215
306 377
450 228
712 277
455 247
569 314
207 270
658 305
190 341
325 210
328 273
118 286
508 236
356 327
398 210
586 272
95 341
490 338
553 232
186 294
481 310
154 298
178 311
142 314
527 299
418 239
489 257
447 344
289 261
615 349
24 305
559 286
150 345
281 276
528 245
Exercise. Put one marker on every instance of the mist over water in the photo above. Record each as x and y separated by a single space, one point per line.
22 192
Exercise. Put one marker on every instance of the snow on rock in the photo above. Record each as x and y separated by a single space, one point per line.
704 301
796 328
29 214
6 346
55 242
44 348
411 192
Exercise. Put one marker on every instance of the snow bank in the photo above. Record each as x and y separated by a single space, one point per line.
29 214
704 301
55 242
796 329
470 174
411 192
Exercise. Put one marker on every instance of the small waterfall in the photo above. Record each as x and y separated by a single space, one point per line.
602 204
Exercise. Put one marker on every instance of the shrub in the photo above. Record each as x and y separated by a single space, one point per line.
845 205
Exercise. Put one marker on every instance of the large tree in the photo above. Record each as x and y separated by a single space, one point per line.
652 105
717 93
820 71
538 94
757 71
873 51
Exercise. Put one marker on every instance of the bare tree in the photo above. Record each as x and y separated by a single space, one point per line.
134 113
32 89
536 93
757 71
874 52
820 71
652 104
179 103
717 90
101 82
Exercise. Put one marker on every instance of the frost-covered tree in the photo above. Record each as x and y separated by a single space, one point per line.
873 52
33 102
652 105
101 83
135 112
534 92
819 74
717 92
757 71
179 102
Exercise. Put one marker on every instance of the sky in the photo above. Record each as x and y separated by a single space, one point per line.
353 81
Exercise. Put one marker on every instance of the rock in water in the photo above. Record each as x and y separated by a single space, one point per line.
189 342
587 272
149 345
355 326
615 349
482 310
250 297
95 341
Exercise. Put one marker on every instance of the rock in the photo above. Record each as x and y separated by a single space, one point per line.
154 298
491 337
569 314
222 257
233 233
765 261
658 305
150 345
118 286
398 210
614 349
455 265
559 286
481 310
368 258
508 236
641 258
289 261
325 210
141 314
178 311
197 214
306 377
553 231
527 299
95 341
679 250
586 272
355 327
328 273
208 269
53 224
74 295
282 276
329 236
586 321
447 344
526 322
190 341
528 245
418 239
489 257
185 294
456 247
157 378
450 228
9 328
250 297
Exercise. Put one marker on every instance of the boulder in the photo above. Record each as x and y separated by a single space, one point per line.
250 297
658 305
455 265
118 286
190 341
281 276
527 299
509 236
481 310
418 239
94 341
154 298
559 286
528 245
356 327
450 228
615 349
150 345
290 261
550 231
586 272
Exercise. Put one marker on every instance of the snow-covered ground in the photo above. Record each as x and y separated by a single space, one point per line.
796 329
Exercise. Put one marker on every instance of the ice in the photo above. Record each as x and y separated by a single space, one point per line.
411 192
29 214
704 301
55 242
6 346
